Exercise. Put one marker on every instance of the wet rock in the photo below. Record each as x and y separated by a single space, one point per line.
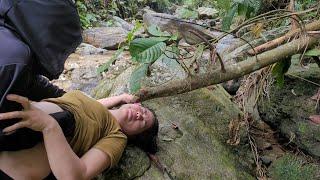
122 23
175 25
133 164
105 37
232 86
87 49
266 160
207 13
81 72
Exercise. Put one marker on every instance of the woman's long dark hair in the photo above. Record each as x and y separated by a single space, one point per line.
147 140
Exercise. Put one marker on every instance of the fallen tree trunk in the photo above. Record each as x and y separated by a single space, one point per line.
233 71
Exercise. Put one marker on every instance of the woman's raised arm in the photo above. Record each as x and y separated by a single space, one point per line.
113 101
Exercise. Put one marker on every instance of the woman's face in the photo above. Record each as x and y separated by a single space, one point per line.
137 119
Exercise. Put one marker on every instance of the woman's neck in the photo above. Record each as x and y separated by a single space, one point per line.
116 113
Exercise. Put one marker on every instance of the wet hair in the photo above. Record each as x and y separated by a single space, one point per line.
147 140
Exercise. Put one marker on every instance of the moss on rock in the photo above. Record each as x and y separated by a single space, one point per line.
291 167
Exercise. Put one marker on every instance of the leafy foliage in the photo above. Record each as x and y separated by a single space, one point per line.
147 50
313 52
86 18
129 8
114 57
227 20
131 34
137 76
245 8
279 69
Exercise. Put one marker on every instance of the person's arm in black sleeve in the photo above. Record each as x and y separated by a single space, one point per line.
42 88
9 75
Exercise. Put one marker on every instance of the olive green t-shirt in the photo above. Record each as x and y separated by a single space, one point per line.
94 127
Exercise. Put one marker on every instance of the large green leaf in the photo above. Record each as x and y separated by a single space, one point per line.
105 66
227 20
313 52
279 69
137 76
147 50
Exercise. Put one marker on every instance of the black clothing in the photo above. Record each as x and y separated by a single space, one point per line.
22 141
27 138
17 77
50 28
17 73
4 176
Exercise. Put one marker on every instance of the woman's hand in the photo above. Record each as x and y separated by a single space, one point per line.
113 101
128 98
31 117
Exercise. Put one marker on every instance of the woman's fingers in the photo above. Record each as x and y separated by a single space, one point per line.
20 99
12 115
16 126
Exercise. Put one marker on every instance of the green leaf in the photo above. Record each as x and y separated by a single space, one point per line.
155 31
242 9
131 34
105 66
227 20
147 50
185 13
279 69
224 4
137 76
313 52
174 37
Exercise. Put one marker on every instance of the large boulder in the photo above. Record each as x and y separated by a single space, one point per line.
207 12
289 108
105 37
178 26
197 149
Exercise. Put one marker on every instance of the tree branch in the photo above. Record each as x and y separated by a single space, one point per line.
233 71
276 42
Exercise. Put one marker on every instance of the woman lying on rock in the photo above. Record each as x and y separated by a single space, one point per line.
89 141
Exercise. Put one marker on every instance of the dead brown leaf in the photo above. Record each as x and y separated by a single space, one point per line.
315 119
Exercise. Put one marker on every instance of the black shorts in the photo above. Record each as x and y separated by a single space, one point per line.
4 176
